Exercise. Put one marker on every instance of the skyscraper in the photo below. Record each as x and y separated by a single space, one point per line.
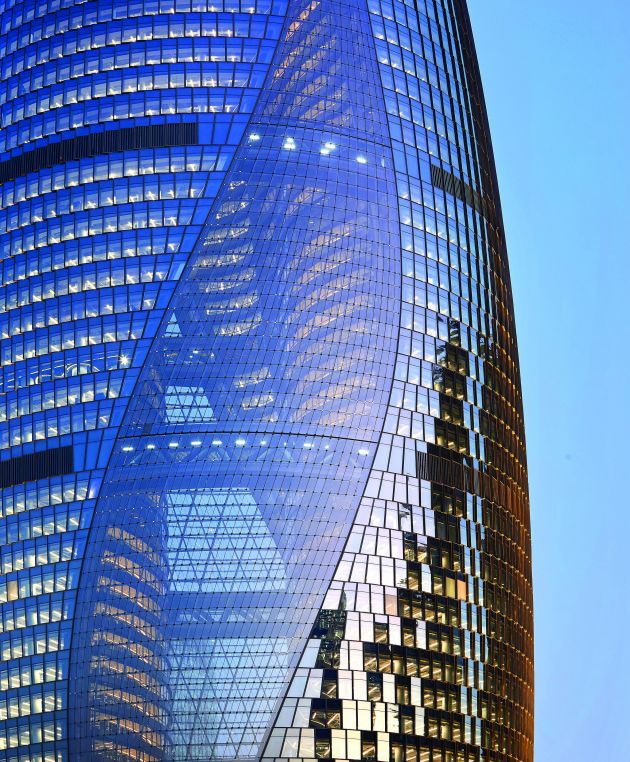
264 491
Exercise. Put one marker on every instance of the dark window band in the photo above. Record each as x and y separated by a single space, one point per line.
447 182
36 465
448 468
110 141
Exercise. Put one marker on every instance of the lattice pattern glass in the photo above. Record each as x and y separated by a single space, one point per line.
262 459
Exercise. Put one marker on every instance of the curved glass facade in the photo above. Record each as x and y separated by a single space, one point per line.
262 459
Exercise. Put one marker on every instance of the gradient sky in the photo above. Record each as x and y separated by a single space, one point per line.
556 75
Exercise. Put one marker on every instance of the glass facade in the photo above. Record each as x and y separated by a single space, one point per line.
262 458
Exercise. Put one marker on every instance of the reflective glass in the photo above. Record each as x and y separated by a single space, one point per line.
262 459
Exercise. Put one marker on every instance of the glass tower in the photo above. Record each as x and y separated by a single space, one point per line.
262 456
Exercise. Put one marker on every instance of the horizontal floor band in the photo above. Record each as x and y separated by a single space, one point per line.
37 465
110 141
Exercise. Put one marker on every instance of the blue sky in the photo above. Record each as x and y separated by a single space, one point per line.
556 76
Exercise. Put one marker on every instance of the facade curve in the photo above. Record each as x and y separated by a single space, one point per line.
262 452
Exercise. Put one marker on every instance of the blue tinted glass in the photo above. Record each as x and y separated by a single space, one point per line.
262 457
